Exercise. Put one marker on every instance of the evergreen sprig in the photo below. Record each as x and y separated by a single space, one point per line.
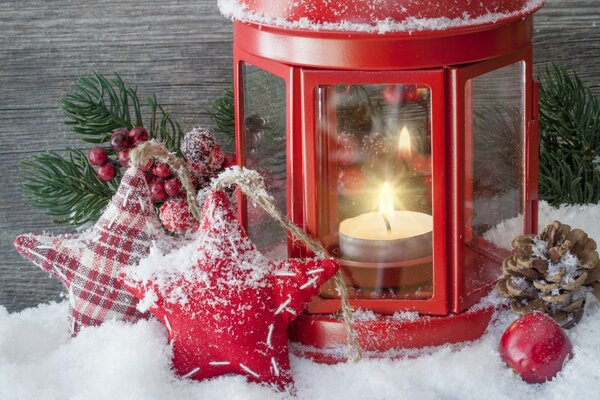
99 105
66 187
570 139
223 117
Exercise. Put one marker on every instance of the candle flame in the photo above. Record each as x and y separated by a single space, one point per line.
386 201
404 143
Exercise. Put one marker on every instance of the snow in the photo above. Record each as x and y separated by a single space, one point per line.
577 216
39 360
237 10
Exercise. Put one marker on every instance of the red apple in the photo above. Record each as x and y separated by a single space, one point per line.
535 347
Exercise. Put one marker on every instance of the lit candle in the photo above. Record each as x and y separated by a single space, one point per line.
386 235
404 145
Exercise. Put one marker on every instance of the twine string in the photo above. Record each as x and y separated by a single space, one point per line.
251 183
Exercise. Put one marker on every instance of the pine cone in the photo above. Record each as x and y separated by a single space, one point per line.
551 273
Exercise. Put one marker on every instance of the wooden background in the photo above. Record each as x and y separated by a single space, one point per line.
181 50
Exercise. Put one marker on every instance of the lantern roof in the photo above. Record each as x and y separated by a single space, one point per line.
378 16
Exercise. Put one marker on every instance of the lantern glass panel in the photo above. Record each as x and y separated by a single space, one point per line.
494 168
375 193
264 129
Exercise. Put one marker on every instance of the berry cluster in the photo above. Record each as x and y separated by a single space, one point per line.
121 141
399 94
204 159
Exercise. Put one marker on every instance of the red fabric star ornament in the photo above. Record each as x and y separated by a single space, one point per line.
227 308
88 263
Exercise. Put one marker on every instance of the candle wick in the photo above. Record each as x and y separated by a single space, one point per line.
387 222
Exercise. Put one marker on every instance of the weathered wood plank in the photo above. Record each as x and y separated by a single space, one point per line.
179 49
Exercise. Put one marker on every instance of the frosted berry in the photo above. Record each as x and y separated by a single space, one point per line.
157 191
161 170
173 187
202 152
138 134
176 216
120 131
119 142
97 155
107 172
124 158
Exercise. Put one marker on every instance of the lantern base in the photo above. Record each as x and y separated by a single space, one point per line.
321 337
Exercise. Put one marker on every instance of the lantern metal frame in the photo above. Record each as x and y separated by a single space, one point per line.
443 60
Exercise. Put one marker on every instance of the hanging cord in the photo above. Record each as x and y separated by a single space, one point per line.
251 183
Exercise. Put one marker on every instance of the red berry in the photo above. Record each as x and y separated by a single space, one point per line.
229 160
120 131
173 187
119 142
138 134
392 95
97 155
149 178
157 190
107 172
535 347
161 170
176 216
124 158
410 93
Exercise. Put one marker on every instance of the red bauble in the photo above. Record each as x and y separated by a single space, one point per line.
177 218
138 134
228 309
119 142
535 347
157 191
124 158
173 187
107 172
97 155
393 95
161 170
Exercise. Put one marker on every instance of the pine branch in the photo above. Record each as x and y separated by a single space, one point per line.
570 139
223 116
163 127
99 105
66 187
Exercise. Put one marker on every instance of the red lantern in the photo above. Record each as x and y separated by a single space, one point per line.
399 144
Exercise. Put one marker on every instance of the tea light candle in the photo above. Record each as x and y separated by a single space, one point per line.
368 238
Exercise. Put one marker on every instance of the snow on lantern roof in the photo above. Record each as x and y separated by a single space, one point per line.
378 16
